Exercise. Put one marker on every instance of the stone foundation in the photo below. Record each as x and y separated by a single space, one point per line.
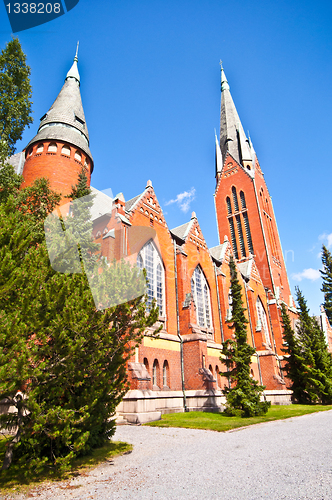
141 406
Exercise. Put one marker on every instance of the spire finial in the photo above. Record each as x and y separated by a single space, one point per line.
224 82
73 72
76 58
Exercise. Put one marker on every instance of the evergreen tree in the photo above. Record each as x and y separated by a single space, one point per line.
9 182
327 281
315 352
15 95
243 397
62 361
295 362
309 364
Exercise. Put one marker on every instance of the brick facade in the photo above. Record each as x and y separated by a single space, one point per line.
182 367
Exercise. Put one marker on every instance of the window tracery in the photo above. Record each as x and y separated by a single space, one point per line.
149 258
262 321
201 294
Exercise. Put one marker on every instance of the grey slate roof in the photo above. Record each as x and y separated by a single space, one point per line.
62 133
17 161
183 230
65 119
218 252
130 204
245 268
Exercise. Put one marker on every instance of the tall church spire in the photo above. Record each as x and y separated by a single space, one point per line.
232 137
65 120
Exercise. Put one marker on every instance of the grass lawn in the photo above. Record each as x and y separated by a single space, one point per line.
220 422
13 480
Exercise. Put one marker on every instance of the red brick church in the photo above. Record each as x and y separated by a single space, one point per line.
190 282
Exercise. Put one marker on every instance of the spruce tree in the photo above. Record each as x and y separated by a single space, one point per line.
295 364
62 361
327 281
312 352
243 397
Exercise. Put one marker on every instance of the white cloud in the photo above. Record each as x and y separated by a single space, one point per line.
309 274
327 238
183 199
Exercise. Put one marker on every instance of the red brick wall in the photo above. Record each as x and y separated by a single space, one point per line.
61 170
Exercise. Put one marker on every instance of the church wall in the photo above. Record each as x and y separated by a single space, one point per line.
164 243
162 350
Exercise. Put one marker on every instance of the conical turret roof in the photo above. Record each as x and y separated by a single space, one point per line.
232 136
65 120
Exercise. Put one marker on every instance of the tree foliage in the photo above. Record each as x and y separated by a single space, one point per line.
15 95
327 281
62 361
243 397
295 365
308 364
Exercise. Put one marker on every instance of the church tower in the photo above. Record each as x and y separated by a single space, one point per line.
245 212
61 147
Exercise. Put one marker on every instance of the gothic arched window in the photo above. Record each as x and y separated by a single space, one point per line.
201 295
155 373
165 374
229 206
235 200
243 200
262 322
149 259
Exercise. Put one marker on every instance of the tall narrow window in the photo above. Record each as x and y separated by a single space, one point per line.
207 306
262 322
240 233
155 373
236 203
243 200
229 206
201 295
248 233
232 230
65 150
78 156
165 374
149 259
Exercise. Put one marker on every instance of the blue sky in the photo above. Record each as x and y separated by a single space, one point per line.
150 84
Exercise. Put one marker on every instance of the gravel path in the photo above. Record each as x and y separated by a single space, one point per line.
288 459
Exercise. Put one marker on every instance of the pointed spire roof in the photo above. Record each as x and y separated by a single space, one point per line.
232 136
65 120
